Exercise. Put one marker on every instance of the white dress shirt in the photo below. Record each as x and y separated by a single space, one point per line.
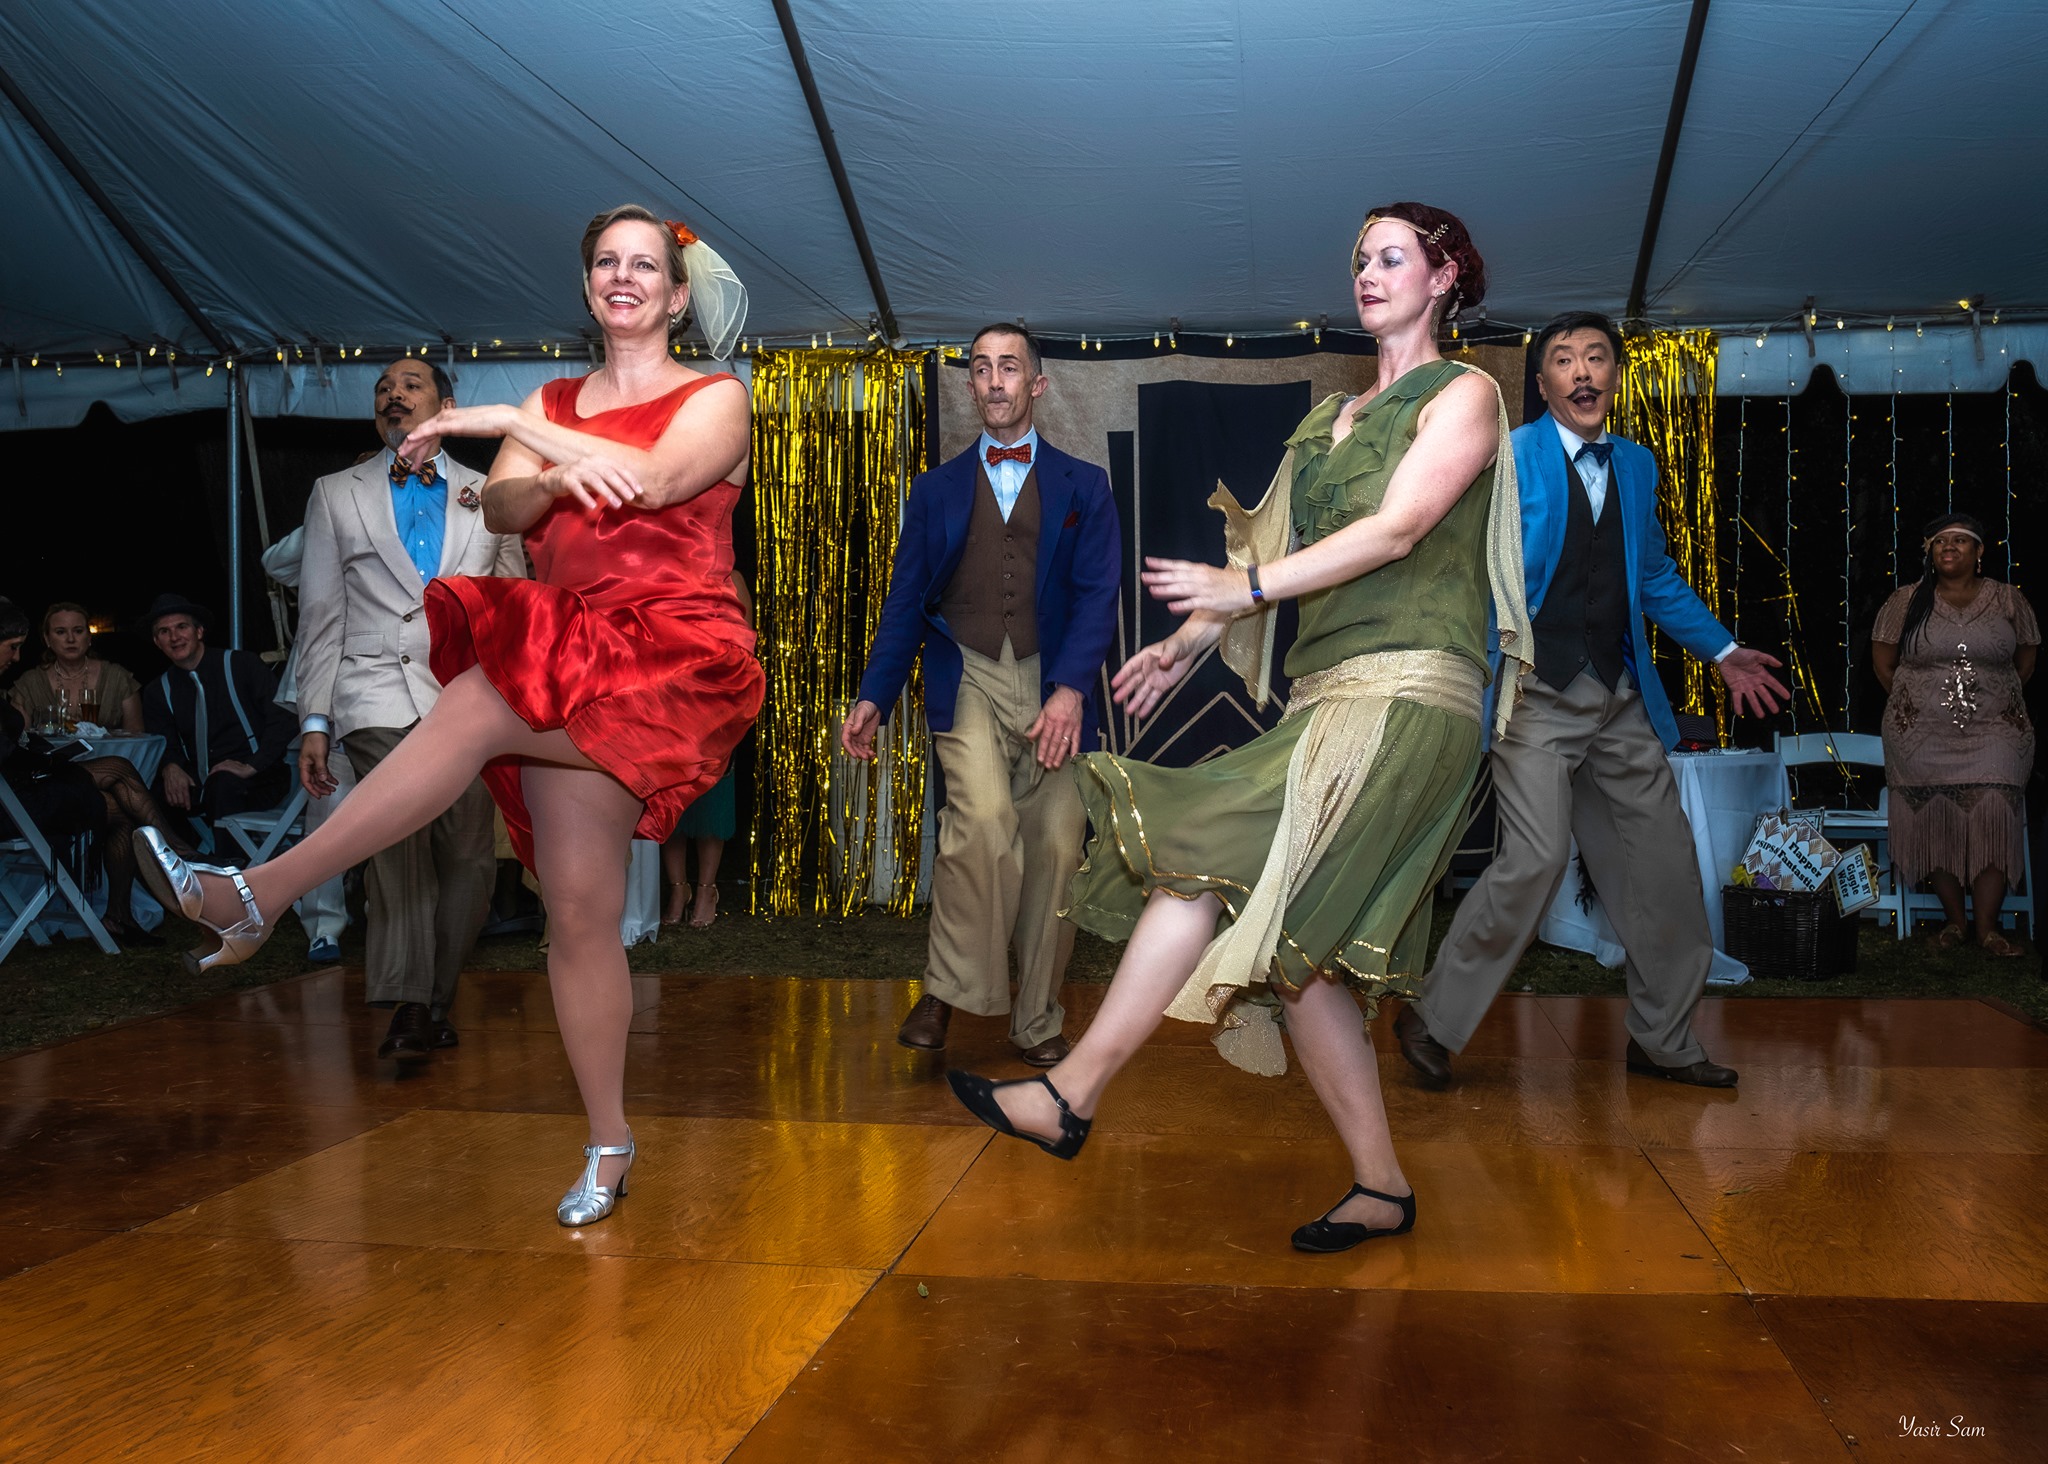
1007 477
1594 474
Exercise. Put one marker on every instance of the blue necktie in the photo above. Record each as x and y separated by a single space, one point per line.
1600 452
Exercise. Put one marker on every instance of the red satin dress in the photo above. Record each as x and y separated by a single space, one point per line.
630 635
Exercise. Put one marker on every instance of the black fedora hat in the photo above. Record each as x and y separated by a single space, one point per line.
170 604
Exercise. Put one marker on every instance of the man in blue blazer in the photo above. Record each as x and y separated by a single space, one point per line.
1005 581
1583 754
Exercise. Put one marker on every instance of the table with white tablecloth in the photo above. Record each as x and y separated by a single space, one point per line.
146 753
1722 793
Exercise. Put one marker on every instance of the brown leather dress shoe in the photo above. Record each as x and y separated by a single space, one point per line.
411 1036
925 1027
1429 1057
1701 1074
1049 1053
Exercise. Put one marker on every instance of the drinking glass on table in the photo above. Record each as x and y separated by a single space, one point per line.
89 705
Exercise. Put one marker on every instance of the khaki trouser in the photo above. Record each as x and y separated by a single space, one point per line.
1010 839
1583 762
427 894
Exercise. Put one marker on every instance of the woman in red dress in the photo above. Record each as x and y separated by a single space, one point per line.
599 698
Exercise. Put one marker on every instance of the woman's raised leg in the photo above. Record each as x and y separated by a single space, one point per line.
1160 956
426 772
1329 1037
582 838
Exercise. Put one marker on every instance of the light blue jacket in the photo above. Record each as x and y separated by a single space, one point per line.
1654 586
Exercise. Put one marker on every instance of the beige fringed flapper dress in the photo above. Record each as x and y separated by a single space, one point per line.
1325 836
1958 748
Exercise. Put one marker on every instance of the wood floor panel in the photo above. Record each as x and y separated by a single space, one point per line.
1962 1227
180 1061
1208 1210
1897 1109
1819 1032
25 1246
1882 1370
701 1188
1182 1373
1514 1026
113 1166
152 1346
1178 1090
485 1001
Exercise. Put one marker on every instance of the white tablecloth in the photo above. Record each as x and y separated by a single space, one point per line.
1722 793
146 751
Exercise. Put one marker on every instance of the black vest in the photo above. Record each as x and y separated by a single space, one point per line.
1584 618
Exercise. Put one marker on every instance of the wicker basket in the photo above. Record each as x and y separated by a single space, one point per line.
1788 935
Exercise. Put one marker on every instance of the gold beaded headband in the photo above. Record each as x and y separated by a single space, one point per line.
1358 247
1928 542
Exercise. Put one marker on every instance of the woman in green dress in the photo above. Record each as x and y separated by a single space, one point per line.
1299 866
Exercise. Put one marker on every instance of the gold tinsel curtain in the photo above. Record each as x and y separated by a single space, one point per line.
1666 403
838 435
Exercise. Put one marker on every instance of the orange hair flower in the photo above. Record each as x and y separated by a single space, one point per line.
685 236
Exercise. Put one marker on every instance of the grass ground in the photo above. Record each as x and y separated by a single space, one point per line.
48 994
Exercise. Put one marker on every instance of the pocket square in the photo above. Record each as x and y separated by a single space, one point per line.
1073 520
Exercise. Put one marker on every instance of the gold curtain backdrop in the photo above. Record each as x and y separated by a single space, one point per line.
1666 403
837 438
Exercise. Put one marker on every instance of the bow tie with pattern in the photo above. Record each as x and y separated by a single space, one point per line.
1021 453
401 470
1599 452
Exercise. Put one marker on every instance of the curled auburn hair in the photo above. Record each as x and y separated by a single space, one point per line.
1445 240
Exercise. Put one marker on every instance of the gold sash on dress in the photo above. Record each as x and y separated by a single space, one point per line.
1348 704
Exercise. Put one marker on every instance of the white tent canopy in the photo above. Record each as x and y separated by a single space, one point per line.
231 176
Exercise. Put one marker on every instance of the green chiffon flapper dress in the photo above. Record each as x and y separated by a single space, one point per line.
1358 796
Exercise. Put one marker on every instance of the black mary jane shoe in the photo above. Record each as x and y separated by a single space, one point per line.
1326 1236
978 1096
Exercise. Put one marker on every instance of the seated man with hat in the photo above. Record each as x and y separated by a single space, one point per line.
224 735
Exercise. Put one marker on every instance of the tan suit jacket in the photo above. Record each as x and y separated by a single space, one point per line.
362 650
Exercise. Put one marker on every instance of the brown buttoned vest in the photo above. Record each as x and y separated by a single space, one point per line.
994 592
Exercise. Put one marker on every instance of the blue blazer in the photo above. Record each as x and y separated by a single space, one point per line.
1654 586
1080 550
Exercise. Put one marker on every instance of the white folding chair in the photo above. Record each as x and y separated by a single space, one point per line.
1843 826
28 854
262 832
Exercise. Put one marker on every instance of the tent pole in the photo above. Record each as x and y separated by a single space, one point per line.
1674 124
234 509
830 145
92 190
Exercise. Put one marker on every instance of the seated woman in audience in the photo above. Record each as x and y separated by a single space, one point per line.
94 690
1953 650
104 796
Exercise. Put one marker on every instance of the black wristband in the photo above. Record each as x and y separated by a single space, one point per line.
1251 573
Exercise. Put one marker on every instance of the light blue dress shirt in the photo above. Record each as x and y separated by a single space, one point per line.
1592 472
1007 477
421 514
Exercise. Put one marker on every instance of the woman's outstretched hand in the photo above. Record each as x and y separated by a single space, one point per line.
424 441
1142 682
1187 587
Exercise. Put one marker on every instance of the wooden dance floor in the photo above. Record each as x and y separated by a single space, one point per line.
231 1234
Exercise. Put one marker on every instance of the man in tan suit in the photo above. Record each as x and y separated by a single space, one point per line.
375 534
1005 583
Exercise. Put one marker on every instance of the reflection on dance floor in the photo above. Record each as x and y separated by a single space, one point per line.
232 1234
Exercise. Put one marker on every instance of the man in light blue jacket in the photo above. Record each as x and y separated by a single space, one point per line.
1583 754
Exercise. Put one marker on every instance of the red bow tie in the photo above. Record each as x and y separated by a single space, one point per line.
401 470
1021 453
